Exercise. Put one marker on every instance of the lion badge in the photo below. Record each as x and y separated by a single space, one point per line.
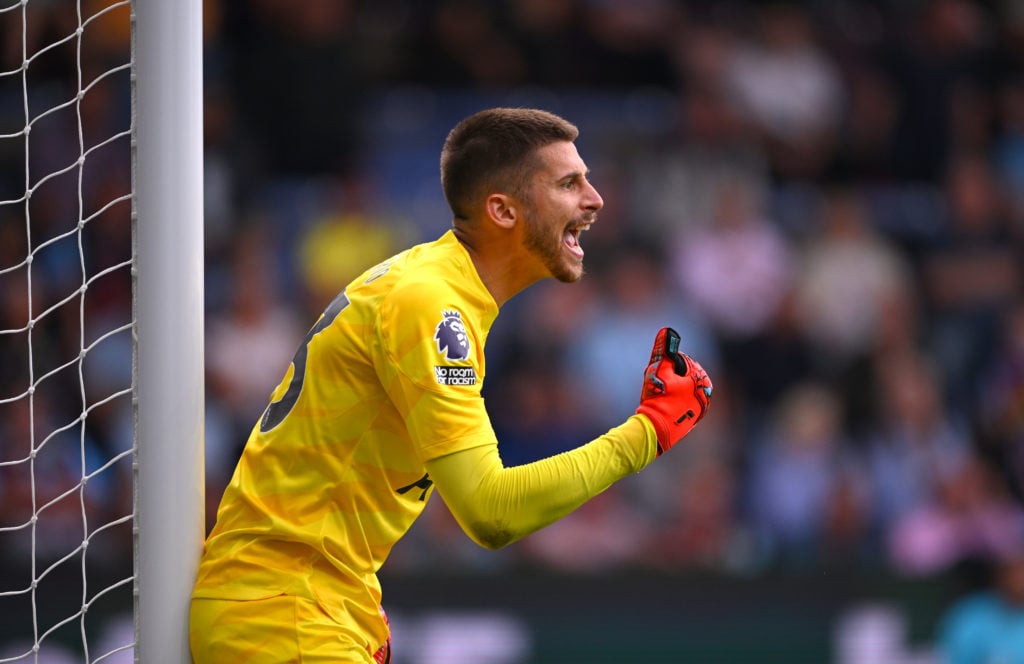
450 335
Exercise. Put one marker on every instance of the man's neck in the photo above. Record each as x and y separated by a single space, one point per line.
497 264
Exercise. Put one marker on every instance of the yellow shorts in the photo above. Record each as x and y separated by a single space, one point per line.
275 630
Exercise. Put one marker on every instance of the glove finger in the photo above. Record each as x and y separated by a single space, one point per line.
666 340
702 385
672 340
665 344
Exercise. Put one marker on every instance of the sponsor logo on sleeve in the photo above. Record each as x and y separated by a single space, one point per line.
450 335
453 345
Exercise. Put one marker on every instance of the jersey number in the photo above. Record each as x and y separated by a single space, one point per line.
278 410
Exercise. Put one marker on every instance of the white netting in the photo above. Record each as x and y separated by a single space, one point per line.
66 445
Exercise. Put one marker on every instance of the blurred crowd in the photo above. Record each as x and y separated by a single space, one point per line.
823 198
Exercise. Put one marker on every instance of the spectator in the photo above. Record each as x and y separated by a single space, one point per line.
349 232
1008 147
970 516
736 269
1000 408
915 443
848 279
256 323
933 49
789 88
970 273
988 624
796 473
675 184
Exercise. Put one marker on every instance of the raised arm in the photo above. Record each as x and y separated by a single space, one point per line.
496 505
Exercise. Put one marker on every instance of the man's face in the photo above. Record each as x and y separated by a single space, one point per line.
559 204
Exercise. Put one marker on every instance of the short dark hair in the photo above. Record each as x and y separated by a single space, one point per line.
494 149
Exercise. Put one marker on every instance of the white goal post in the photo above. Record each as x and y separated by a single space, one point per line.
167 58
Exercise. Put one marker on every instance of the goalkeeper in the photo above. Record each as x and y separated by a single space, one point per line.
381 405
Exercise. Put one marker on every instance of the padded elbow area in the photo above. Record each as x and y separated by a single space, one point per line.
492 534
469 483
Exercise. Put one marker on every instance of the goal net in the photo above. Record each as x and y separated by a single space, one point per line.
69 331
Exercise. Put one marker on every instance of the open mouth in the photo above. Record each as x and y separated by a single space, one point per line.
571 239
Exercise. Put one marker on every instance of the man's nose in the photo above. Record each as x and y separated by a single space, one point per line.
592 199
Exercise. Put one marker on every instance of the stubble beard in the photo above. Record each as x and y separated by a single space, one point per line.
547 246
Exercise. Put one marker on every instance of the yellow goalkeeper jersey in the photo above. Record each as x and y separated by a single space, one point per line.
333 473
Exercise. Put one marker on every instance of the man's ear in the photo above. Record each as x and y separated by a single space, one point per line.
502 210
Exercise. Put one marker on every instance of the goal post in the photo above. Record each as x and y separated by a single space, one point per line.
167 99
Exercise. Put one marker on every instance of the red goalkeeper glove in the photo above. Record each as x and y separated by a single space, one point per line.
677 391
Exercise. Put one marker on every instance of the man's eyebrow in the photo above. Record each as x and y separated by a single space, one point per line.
575 175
